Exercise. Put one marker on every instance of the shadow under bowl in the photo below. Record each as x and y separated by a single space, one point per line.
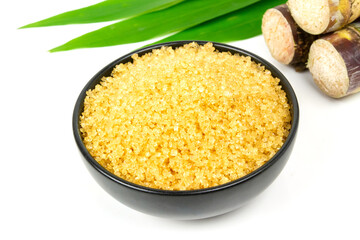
192 204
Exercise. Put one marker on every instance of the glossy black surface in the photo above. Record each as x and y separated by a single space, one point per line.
193 204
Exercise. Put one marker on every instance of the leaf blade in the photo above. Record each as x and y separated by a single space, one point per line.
238 25
104 11
179 17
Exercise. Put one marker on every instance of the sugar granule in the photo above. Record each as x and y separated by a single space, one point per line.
185 118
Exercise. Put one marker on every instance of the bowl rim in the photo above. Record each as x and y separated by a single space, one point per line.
283 81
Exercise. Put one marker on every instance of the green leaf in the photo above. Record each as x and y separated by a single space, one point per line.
105 11
176 18
242 24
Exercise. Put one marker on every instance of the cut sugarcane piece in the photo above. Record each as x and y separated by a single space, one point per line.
334 62
287 43
323 16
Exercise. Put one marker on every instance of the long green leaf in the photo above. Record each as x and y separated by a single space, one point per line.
105 11
238 25
176 18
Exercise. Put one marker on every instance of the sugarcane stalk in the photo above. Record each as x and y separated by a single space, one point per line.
287 43
334 62
324 16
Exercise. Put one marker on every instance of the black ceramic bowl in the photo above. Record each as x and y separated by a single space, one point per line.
193 204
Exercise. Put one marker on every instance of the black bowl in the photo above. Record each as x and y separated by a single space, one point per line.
193 204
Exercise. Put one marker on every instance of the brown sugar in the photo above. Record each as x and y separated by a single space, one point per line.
185 118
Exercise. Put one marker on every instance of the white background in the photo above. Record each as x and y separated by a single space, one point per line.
46 192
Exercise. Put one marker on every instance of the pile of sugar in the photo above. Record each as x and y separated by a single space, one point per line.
185 119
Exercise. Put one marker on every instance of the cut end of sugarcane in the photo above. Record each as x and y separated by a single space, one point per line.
312 16
328 69
278 36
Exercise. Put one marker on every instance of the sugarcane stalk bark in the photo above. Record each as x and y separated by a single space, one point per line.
339 15
330 16
349 49
284 31
347 44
